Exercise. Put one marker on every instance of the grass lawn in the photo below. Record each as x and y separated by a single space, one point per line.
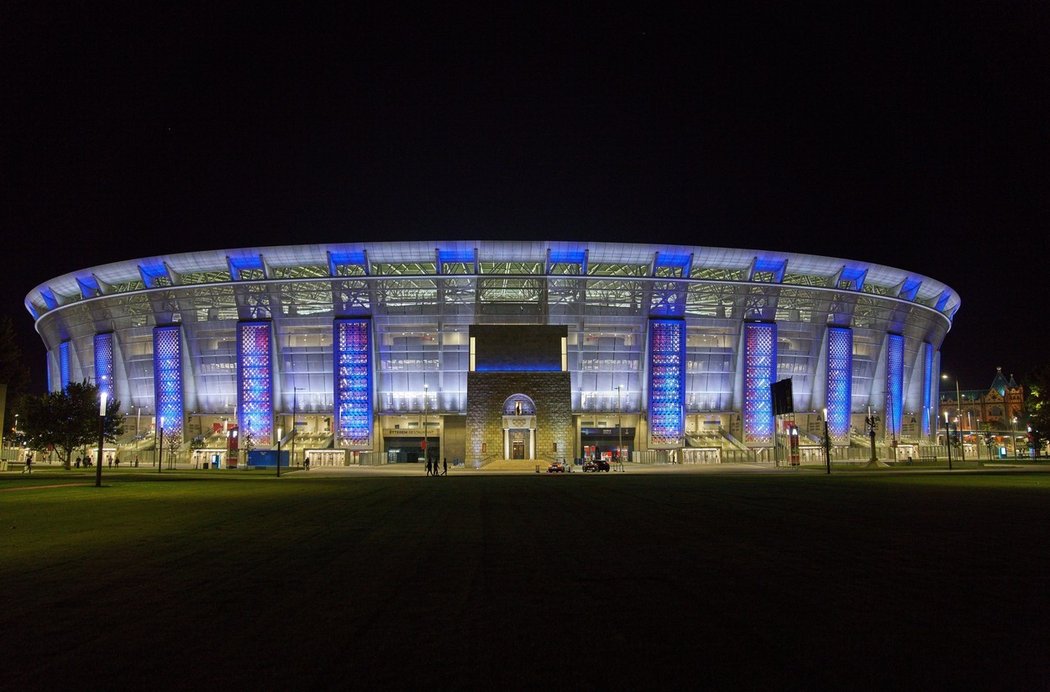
591 581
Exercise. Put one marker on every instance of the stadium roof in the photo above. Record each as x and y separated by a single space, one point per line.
557 258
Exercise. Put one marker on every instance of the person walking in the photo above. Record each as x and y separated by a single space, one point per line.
444 467
428 465
28 468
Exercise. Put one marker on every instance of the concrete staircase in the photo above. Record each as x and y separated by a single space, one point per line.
518 465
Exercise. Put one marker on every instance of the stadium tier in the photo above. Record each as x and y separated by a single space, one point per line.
492 350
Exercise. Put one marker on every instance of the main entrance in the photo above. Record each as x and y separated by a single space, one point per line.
519 427
519 394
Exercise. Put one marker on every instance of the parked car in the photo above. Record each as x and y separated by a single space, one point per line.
556 467
596 465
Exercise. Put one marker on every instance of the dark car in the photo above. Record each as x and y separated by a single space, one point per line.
596 465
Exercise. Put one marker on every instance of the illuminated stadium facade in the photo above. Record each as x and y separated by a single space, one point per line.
491 350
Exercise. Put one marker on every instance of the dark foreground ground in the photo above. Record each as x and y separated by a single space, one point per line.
592 582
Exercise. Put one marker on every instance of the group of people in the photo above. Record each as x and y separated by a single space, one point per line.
111 461
86 461
432 467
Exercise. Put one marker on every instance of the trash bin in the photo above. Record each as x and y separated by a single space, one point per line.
537 468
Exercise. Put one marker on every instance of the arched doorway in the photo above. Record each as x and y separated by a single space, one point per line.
519 427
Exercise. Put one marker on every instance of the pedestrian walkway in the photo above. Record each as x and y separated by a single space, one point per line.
529 468
41 487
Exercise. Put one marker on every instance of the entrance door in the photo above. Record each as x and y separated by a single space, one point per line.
517 449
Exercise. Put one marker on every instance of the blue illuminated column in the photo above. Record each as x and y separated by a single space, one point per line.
167 377
353 382
63 364
927 387
760 371
894 382
840 380
666 383
255 382
104 363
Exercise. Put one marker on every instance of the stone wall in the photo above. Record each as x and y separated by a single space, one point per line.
453 438
552 394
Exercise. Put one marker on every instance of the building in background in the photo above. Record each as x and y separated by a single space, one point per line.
997 408
492 350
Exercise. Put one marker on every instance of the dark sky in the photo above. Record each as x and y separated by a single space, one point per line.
914 136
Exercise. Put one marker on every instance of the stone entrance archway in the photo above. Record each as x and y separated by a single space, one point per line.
519 427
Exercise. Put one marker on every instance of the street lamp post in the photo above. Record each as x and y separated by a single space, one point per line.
893 429
160 453
827 442
295 424
279 431
102 399
948 439
426 398
931 419
619 425
1013 435
871 422
958 408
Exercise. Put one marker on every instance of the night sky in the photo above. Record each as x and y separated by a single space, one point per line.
912 136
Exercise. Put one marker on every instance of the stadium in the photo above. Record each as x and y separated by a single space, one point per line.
492 352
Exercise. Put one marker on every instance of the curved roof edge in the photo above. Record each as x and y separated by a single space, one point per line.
776 265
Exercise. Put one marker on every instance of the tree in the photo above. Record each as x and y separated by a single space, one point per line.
247 443
1037 405
172 442
13 370
196 445
68 420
